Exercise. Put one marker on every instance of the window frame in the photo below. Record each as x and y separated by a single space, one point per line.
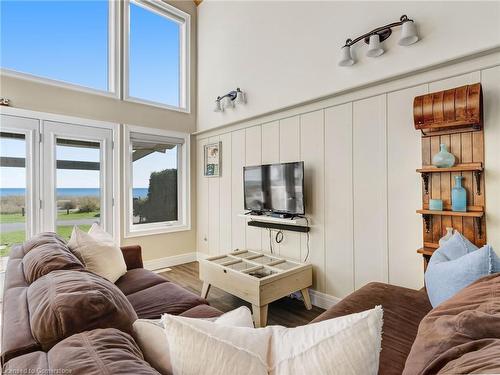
39 168
175 15
183 190
113 62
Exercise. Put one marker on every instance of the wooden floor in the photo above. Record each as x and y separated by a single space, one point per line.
286 312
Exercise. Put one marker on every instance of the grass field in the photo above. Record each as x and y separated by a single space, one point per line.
61 215
12 238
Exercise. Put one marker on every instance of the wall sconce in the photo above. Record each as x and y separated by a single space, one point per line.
227 101
375 37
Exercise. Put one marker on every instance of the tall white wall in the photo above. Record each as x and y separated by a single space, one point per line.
283 53
360 152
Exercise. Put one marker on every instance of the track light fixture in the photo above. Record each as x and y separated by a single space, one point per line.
226 101
375 37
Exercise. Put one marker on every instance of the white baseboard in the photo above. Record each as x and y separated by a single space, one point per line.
318 299
325 301
165 262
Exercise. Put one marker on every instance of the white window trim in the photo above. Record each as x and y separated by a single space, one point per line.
173 14
184 188
114 44
32 148
37 188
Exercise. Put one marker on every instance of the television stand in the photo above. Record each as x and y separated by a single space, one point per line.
297 224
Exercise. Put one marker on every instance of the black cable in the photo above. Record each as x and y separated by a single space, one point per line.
307 234
270 241
279 236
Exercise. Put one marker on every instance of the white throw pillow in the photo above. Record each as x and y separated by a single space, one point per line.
96 234
151 338
98 253
346 345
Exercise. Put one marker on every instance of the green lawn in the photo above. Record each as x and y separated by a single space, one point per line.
61 215
12 218
12 238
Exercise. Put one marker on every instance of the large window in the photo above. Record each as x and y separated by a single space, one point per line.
154 54
157 181
66 41
77 44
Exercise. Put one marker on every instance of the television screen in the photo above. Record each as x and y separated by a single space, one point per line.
275 188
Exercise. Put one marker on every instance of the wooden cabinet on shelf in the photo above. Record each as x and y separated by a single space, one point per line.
454 118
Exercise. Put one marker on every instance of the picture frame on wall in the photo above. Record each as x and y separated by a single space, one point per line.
212 159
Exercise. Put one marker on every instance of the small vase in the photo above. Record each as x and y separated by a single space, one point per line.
443 159
458 196
446 237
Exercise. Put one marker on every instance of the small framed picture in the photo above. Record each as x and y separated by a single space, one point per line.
213 159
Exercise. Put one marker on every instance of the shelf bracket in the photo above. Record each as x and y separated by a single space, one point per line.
479 226
477 176
427 222
425 179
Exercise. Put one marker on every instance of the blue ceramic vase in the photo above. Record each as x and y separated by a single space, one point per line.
443 159
458 196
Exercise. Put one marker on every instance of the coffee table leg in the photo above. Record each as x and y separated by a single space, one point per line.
205 289
307 299
259 315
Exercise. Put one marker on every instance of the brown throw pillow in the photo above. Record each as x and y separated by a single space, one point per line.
456 335
50 256
101 351
63 303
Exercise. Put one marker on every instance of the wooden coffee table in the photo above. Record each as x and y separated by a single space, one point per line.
256 277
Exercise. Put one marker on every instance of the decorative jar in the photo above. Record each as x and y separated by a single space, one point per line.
443 159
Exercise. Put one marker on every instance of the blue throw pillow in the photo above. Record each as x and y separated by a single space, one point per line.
455 265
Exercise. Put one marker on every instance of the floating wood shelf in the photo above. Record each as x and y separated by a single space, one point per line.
457 168
451 213
426 251
271 219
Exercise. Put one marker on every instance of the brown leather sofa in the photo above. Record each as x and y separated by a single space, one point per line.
462 335
49 298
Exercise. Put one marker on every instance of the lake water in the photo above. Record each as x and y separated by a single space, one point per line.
71 192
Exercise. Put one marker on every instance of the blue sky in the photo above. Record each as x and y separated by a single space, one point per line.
68 41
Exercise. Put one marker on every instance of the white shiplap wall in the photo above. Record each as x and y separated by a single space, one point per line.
360 152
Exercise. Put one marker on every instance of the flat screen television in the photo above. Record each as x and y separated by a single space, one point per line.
275 188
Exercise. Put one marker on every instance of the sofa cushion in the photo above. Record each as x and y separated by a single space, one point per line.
63 303
202 311
138 279
101 351
31 363
42 259
163 298
403 310
16 333
42 239
458 327
481 357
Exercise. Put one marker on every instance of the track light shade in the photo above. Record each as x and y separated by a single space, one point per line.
408 33
240 97
374 47
227 102
218 107
345 56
